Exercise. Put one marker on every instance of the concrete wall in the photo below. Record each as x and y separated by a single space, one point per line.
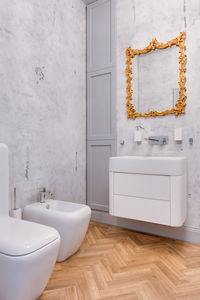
43 96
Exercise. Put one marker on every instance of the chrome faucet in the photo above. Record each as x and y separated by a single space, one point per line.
43 195
153 139
158 140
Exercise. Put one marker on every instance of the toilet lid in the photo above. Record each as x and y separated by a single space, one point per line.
19 237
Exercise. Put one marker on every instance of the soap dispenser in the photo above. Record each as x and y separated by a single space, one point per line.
178 134
138 134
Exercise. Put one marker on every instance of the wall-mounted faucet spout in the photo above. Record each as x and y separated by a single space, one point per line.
157 140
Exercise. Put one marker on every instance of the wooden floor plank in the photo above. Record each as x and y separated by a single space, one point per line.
115 263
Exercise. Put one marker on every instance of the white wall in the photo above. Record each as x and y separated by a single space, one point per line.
42 96
138 21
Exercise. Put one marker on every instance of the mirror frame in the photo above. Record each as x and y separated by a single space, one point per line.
153 45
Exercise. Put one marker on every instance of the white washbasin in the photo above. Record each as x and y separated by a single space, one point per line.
157 165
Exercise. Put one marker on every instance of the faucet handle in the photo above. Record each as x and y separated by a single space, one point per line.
164 141
52 195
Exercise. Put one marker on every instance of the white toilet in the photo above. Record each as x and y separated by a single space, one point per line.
28 251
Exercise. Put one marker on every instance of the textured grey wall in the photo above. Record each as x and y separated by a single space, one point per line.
138 21
42 96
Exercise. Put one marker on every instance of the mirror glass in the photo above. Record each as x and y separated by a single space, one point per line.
155 80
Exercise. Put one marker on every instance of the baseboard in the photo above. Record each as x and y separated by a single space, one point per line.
191 235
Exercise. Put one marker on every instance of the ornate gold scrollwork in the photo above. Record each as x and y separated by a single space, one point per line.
153 45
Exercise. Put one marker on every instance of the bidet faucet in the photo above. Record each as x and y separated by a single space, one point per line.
43 195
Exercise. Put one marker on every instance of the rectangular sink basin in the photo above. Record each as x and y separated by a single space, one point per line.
157 165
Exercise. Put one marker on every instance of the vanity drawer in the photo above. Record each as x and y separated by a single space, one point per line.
149 210
140 185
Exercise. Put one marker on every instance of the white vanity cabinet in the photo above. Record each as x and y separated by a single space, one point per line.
151 189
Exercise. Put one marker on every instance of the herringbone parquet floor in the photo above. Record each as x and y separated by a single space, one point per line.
115 263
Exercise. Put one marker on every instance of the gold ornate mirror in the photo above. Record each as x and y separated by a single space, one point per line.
173 56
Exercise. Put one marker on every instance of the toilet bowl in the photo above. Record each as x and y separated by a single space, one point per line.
28 251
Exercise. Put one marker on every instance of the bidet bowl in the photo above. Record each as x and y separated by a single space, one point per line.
69 219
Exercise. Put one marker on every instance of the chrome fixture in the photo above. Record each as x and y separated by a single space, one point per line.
139 127
158 140
190 140
43 195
